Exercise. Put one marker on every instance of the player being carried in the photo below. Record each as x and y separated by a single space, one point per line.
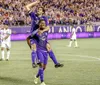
35 17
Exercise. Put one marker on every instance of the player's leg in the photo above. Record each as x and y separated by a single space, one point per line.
2 51
76 45
75 41
52 56
28 42
32 44
8 46
40 70
40 73
33 54
70 43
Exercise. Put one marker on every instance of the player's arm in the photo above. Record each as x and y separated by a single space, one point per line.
28 7
34 32
47 28
8 34
6 37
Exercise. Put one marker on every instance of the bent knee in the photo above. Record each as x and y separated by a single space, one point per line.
41 65
33 47
48 47
44 67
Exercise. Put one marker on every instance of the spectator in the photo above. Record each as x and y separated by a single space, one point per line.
57 11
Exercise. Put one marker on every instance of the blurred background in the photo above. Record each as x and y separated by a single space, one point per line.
81 65
58 11
85 15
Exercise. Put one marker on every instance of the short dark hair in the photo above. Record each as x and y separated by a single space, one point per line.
42 8
41 20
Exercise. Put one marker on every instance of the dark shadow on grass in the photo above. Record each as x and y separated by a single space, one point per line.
15 80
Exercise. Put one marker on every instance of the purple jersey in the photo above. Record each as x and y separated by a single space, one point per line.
42 53
42 41
35 20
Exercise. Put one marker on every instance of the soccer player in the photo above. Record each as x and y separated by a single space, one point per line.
35 17
5 39
42 53
73 37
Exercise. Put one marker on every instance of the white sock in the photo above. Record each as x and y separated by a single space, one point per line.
70 43
76 43
8 54
3 53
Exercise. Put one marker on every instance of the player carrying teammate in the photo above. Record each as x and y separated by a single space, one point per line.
42 53
35 17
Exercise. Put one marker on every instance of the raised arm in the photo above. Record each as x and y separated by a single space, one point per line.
8 34
28 7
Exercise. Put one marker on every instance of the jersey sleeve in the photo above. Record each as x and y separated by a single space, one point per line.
34 32
46 20
32 14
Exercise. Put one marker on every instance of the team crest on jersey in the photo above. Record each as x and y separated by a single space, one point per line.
43 38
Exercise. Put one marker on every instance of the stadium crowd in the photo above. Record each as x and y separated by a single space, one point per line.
59 12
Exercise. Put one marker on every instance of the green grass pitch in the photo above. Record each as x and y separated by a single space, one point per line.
81 65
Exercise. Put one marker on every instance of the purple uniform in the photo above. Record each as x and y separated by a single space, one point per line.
34 25
35 20
41 48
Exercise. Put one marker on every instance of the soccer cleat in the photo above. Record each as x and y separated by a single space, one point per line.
34 65
7 59
76 46
42 83
59 65
35 80
2 59
69 46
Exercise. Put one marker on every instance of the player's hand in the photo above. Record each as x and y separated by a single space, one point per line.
40 32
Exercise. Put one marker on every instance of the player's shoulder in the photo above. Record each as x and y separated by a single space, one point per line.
45 17
32 13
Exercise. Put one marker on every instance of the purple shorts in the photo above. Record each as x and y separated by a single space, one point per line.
42 56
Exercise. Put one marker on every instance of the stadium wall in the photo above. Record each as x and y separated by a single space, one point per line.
59 32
